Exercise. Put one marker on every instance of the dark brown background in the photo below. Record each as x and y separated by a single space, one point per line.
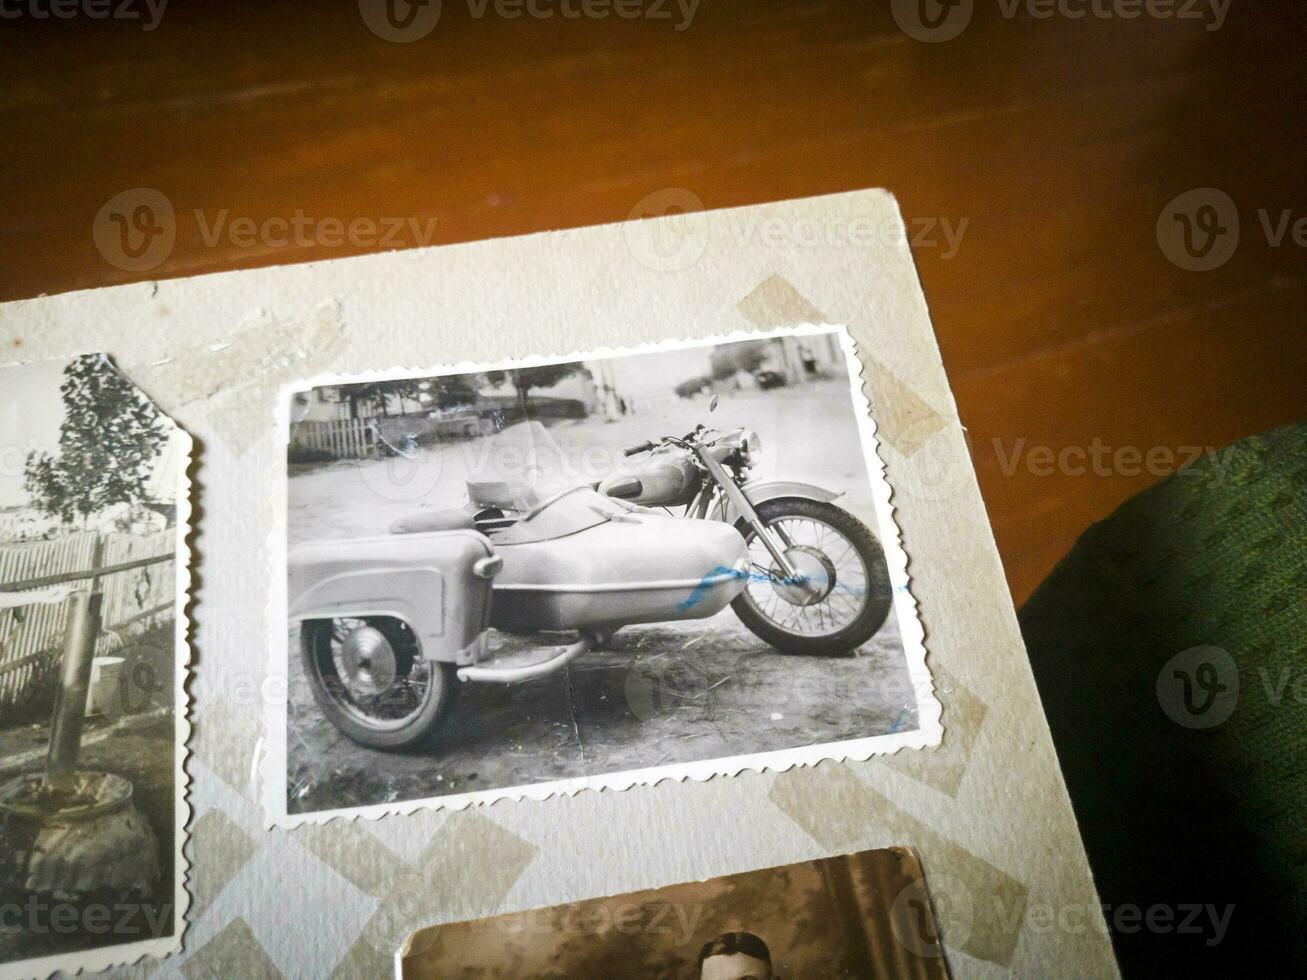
1059 141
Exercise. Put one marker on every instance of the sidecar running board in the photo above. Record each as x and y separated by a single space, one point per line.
511 675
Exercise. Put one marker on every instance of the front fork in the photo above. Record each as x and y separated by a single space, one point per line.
773 540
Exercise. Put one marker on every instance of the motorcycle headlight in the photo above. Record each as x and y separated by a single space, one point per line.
750 447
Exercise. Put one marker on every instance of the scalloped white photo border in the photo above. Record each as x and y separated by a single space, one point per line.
927 734
109 956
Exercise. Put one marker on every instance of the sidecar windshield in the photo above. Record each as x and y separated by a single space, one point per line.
524 473
567 512
518 469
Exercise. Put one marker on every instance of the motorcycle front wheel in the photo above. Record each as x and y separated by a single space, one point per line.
842 594
370 680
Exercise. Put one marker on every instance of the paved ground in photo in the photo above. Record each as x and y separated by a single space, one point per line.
659 695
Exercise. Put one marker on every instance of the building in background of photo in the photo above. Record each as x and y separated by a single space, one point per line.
641 385
22 524
19 522
807 358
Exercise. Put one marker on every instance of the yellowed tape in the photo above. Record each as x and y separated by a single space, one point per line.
903 419
981 906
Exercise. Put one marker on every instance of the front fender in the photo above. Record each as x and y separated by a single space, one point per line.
437 583
760 491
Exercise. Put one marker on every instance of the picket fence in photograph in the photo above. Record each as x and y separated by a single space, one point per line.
342 438
31 636
368 438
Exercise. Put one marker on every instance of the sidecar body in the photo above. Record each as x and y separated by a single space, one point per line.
437 583
584 561
641 568
577 561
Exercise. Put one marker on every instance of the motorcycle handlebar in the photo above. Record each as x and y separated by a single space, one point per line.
642 448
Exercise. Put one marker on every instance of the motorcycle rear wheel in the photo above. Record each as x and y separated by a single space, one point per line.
859 603
401 708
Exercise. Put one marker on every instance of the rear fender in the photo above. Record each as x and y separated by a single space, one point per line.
437 583
760 491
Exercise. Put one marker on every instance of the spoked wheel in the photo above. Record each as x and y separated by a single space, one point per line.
370 680
841 595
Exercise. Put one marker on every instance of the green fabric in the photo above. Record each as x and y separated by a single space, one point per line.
1215 556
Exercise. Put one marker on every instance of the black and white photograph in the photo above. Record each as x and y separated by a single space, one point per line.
604 571
852 917
93 575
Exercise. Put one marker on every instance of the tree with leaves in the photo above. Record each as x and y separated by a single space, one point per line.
729 359
109 442
378 394
541 376
452 391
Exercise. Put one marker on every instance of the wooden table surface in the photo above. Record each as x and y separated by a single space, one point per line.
1059 142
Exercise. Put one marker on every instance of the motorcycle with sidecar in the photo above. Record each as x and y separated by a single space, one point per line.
391 626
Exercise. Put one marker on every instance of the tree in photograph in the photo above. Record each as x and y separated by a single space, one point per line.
727 360
109 441
452 391
541 376
377 395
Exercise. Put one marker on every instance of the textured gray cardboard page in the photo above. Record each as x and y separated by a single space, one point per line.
986 810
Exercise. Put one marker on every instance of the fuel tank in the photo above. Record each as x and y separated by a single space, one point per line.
639 568
665 479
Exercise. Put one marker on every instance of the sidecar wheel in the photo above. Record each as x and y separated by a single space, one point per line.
844 567
370 680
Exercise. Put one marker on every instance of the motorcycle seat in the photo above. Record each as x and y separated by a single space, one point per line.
454 519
